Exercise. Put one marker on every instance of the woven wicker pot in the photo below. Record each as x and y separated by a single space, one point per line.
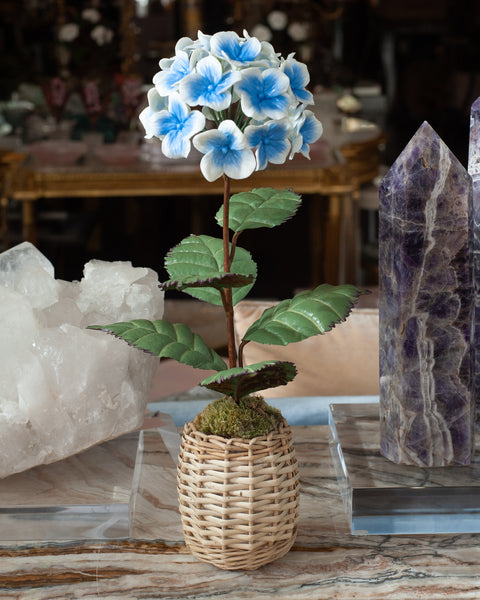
238 498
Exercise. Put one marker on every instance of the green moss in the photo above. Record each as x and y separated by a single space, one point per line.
249 418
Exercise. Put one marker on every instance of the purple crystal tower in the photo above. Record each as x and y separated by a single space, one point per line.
426 405
474 171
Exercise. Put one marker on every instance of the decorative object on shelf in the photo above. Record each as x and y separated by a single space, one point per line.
474 171
427 407
64 388
244 106
86 43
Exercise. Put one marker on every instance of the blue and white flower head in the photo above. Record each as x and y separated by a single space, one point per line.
241 103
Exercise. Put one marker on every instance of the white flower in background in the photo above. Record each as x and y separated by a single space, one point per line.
63 55
253 105
277 20
102 35
91 14
298 31
68 32
262 32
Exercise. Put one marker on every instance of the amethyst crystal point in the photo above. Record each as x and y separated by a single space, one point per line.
426 404
474 170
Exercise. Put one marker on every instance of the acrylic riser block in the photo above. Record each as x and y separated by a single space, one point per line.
381 497
105 492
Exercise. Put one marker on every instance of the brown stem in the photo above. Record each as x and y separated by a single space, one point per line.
240 352
227 292
234 245
226 217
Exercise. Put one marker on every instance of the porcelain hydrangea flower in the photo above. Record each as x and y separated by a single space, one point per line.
168 80
264 94
299 77
208 85
241 104
226 152
271 142
227 44
175 127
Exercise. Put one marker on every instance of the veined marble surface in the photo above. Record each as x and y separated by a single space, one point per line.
326 562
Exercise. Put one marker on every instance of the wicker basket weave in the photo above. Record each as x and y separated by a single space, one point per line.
238 498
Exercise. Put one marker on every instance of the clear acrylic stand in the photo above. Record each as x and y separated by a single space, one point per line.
381 497
97 494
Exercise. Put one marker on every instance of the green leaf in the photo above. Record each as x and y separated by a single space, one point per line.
200 256
166 340
242 381
309 313
215 280
263 207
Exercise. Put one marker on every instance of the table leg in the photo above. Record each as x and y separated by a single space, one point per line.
332 240
29 227
4 223
316 233
348 254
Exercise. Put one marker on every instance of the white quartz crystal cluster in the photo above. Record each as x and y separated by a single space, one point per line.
63 387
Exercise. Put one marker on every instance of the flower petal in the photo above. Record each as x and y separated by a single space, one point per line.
145 119
264 93
175 145
167 81
210 68
228 44
155 101
208 140
227 152
210 167
311 129
275 82
208 86
299 77
271 141
239 164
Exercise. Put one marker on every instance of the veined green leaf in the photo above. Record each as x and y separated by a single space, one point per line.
262 207
215 280
202 255
309 313
166 340
242 381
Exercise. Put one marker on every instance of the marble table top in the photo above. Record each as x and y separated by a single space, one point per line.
326 562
